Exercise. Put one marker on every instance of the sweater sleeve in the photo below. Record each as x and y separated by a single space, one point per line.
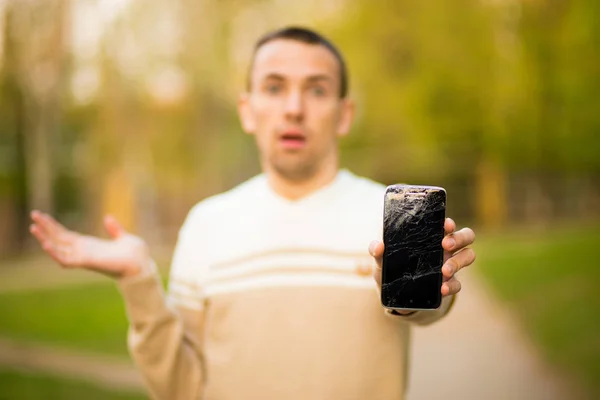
163 340
166 331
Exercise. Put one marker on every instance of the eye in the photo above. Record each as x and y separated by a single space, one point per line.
317 91
273 88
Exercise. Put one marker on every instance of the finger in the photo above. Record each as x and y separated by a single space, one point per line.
462 259
34 214
37 218
60 235
48 224
451 287
47 245
449 226
376 250
39 234
49 241
113 227
56 227
458 240
377 276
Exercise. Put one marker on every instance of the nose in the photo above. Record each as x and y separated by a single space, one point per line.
294 109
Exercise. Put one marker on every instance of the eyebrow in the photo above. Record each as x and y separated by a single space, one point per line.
312 78
274 76
320 77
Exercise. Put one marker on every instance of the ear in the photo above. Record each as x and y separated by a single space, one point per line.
245 114
346 117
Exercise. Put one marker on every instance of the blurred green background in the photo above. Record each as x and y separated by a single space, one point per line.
128 107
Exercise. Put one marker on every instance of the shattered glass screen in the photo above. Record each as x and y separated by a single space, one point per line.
412 260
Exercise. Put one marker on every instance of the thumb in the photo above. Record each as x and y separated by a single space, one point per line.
113 227
376 250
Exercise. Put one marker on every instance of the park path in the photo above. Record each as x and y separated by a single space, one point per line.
109 372
477 352
38 272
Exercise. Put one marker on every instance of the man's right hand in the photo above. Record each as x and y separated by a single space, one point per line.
122 256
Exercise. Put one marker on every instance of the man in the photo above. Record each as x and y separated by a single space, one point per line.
271 294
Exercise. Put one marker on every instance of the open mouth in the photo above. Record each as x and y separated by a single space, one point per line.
292 140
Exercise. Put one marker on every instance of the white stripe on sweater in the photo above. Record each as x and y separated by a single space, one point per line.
314 279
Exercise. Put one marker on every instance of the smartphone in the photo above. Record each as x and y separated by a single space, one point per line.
413 229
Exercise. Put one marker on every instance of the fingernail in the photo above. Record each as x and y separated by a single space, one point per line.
451 243
372 248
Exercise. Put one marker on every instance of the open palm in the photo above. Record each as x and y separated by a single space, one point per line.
122 255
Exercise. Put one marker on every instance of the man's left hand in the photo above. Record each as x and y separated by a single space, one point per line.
457 255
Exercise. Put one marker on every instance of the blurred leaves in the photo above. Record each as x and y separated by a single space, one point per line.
128 106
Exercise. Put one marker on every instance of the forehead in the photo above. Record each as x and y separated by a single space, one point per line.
294 60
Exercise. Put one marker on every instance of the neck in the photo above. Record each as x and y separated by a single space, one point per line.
294 190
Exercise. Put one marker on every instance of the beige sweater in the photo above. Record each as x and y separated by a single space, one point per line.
273 299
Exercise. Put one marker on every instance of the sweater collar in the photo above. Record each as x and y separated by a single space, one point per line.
322 193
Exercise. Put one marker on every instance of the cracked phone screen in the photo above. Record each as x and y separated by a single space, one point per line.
413 229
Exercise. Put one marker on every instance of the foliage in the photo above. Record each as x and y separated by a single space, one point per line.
496 101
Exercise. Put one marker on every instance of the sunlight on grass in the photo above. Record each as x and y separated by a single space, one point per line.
90 317
18 385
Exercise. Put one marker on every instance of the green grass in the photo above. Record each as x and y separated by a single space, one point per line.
550 280
16 385
90 317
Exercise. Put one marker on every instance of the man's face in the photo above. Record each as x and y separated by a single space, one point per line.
294 108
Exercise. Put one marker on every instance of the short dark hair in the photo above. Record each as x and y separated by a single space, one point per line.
303 35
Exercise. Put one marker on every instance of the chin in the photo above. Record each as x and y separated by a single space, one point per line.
296 172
